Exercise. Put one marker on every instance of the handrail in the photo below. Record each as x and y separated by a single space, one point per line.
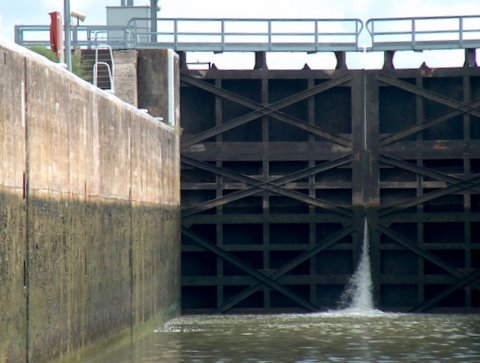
424 33
271 35
85 35
218 35
111 70
228 34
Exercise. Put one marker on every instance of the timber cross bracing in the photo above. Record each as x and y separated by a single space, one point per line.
279 168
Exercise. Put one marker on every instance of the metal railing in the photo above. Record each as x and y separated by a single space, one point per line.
83 36
424 33
217 35
225 35
110 70
272 35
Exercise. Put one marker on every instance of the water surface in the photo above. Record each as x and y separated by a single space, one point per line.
323 337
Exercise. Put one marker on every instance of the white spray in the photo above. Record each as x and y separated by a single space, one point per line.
358 295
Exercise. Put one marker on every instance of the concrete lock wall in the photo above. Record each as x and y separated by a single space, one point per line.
89 213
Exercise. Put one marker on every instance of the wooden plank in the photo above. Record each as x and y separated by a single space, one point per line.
261 219
257 151
433 149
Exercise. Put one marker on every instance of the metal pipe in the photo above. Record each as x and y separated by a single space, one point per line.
153 20
171 87
68 45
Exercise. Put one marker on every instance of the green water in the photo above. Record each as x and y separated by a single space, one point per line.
324 337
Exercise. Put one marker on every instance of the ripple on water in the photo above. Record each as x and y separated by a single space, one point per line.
336 336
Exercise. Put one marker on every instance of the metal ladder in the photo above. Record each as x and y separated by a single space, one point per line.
111 70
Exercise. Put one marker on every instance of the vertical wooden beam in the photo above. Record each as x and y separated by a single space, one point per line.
467 194
388 59
219 193
470 58
341 60
265 99
312 192
359 161
419 118
371 179
261 60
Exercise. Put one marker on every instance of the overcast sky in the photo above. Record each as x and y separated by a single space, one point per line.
14 12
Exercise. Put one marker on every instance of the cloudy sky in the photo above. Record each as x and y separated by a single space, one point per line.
14 12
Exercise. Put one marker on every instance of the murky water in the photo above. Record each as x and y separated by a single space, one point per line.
327 337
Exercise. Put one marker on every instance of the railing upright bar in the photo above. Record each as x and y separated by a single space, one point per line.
223 34
357 34
269 34
460 32
175 33
373 32
413 33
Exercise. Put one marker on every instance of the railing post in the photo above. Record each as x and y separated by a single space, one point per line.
373 32
269 34
460 30
18 35
316 34
356 34
175 33
222 27
413 33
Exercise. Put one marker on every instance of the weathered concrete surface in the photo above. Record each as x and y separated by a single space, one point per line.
125 77
150 81
89 249
12 208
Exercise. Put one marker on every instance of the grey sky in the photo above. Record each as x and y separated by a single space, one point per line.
36 12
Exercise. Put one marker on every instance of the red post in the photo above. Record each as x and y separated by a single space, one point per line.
56 33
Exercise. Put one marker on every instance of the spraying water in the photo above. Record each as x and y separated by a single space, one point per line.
358 296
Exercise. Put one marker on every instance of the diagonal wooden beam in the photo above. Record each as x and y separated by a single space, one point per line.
454 188
247 268
429 123
294 262
421 170
246 102
422 92
466 281
262 110
273 185
411 245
